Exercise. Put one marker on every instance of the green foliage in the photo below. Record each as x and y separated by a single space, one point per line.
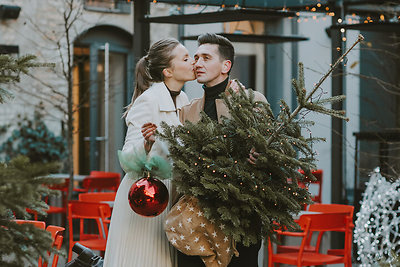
11 69
22 185
33 139
211 163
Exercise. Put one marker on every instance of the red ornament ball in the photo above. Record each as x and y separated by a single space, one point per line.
148 197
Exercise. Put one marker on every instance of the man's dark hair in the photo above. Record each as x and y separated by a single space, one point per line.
225 47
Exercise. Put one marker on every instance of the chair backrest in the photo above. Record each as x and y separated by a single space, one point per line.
105 174
88 210
56 235
325 221
97 196
318 181
327 208
38 224
101 183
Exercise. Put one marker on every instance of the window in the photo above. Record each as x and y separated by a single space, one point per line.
113 6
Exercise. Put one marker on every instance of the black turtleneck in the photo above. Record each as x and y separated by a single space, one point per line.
212 93
173 94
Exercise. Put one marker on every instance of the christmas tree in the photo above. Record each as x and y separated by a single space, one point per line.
22 186
210 161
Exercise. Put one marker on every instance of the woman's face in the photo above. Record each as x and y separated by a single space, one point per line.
182 65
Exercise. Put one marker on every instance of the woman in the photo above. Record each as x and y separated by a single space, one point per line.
133 240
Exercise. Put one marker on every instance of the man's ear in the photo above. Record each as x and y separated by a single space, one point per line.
226 67
167 72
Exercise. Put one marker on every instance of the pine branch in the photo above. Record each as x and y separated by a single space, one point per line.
301 91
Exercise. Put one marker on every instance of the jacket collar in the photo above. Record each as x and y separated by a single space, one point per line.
166 103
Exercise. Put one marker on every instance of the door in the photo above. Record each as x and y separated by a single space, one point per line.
104 75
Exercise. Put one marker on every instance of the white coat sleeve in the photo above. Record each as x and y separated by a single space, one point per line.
142 111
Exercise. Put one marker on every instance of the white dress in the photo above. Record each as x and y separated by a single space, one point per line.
134 240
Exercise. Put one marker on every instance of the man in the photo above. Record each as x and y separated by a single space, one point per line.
213 62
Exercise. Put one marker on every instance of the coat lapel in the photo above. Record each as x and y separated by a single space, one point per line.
167 104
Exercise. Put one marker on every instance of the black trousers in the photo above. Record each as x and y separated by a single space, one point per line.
248 257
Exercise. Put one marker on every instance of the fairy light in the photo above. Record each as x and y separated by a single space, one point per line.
342 30
319 5
375 207
339 20
313 9
382 17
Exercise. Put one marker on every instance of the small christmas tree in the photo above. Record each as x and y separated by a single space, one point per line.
210 162
22 186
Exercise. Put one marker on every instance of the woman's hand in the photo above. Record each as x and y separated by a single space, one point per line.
148 130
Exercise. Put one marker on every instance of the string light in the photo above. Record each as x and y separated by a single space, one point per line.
372 227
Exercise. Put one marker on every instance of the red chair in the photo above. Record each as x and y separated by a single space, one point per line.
56 235
309 223
63 188
88 211
327 208
92 184
99 197
318 175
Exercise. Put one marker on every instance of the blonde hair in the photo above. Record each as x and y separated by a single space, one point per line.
150 68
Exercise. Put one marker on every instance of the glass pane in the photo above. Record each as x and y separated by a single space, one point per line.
116 100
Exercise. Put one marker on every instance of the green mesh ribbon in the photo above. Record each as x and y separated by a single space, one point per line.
138 163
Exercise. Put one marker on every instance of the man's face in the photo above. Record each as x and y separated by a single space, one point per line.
209 67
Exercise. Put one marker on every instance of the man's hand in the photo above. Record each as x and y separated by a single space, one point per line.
148 130
253 156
